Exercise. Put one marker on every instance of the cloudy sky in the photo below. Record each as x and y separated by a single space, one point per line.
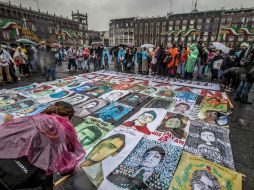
101 11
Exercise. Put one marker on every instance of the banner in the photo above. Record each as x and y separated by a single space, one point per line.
211 142
107 154
149 166
146 120
91 131
194 172
88 107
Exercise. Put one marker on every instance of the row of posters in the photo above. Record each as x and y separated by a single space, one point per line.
136 129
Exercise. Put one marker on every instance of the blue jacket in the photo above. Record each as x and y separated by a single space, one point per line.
144 55
121 53
105 53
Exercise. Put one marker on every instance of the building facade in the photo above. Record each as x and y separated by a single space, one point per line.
230 27
18 22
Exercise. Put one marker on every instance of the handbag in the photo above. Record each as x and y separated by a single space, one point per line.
217 64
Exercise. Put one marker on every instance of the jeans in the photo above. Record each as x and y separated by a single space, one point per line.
85 65
200 67
182 69
32 64
72 63
243 90
52 71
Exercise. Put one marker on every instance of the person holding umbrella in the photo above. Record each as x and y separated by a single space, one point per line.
34 148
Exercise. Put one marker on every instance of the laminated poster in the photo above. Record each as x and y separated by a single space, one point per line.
150 91
55 96
134 99
9 99
83 88
90 106
188 96
123 86
114 95
166 93
146 120
75 99
113 112
195 173
150 165
108 153
182 107
99 91
91 131
160 103
211 142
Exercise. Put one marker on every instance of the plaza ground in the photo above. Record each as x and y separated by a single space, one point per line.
241 136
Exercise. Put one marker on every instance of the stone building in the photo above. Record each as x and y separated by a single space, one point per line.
18 22
230 27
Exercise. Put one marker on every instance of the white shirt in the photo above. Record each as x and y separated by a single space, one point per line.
5 58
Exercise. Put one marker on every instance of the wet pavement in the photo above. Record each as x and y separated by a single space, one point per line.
241 135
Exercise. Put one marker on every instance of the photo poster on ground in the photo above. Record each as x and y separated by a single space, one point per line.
194 172
151 91
137 88
146 120
173 129
18 107
123 86
26 88
39 91
91 131
182 107
90 106
209 104
166 93
9 98
108 153
211 142
150 165
160 103
187 96
113 112
75 99
4 118
85 87
114 95
55 96
134 99
99 91
37 109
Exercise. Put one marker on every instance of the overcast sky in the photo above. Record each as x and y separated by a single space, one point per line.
101 11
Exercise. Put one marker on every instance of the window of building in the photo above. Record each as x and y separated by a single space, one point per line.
126 24
185 22
192 21
141 24
199 27
208 20
136 25
177 22
200 21
117 25
171 22
176 27
191 26
152 23
164 23
240 38
184 27
231 38
170 28
146 24
158 23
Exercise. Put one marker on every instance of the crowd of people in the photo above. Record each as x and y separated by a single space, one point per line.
234 69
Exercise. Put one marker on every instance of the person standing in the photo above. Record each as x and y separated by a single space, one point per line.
172 65
191 61
121 59
5 58
51 63
106 58
200 62
247 78
144 61
86 55
138 60
20 60
72 59
94 60
183 61
216 64
160 69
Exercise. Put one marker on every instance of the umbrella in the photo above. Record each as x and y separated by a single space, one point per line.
26 41
98 44
55 45
220 46
148 46
120 45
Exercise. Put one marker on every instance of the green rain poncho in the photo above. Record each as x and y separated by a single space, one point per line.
192 59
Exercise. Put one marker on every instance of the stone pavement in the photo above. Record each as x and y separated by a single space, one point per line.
241 136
